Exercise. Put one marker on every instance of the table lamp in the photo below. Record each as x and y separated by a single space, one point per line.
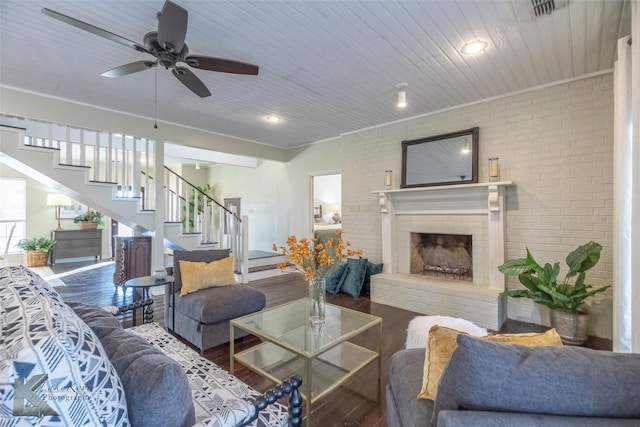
57 199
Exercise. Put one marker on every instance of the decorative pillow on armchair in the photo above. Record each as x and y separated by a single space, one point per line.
203 275
194 256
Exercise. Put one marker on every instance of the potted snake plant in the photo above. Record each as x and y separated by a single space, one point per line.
564 298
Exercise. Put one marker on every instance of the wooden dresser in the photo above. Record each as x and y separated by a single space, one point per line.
76 243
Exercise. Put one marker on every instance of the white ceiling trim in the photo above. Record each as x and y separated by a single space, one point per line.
457 107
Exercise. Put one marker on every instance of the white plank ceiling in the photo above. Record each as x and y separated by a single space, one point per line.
326 67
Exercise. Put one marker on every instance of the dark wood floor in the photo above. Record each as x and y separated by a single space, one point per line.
353 404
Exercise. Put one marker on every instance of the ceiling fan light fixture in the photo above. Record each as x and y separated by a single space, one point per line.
273 119
402 94
474 47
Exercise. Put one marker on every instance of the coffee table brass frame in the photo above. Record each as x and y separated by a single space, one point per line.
322 356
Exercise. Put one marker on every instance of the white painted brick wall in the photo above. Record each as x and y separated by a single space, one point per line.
555 143
476 303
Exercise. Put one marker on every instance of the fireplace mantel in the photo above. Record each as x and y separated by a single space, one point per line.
464 199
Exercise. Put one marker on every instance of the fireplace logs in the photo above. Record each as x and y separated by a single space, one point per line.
448 256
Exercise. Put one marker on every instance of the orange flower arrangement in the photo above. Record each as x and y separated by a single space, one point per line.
315 259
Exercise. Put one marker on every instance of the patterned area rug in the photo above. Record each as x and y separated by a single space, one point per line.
47 274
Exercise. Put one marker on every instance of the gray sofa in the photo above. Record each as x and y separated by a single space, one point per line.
202 317
493 384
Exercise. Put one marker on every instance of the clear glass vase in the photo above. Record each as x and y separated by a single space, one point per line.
317 301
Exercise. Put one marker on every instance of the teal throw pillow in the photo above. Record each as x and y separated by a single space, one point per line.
356 270
333 281
371 270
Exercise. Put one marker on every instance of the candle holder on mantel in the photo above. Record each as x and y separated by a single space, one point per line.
387 179
494 169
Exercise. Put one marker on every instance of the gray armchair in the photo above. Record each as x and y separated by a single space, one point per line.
202 317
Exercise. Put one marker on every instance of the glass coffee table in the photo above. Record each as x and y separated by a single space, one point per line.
322 355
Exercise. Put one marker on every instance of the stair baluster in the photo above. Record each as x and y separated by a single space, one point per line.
127 162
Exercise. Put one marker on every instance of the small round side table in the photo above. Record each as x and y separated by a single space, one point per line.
144 283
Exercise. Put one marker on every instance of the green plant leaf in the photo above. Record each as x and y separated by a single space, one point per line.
529 281
579 283
515 267
533 263
583 258
36 244
517 293
550 273
546 302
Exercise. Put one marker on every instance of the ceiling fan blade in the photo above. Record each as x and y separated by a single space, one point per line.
222 65
130 68
94 30
191 81
172 26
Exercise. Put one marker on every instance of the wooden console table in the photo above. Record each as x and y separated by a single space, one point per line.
76 243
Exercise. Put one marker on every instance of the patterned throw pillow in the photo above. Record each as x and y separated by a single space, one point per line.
50 350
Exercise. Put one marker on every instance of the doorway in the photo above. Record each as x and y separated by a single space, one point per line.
327 201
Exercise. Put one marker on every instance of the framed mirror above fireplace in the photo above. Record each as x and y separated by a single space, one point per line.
447 159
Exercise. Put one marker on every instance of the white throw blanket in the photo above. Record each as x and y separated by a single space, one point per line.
419 327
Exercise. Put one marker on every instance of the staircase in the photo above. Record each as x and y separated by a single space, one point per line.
115 174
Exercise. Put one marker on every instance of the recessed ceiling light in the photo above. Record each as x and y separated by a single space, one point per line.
273 119
474 47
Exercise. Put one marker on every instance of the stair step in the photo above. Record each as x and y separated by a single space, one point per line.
38 148
70 166
100 184
91 181
262 268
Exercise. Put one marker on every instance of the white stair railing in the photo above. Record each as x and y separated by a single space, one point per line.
121 159
200 213
128 162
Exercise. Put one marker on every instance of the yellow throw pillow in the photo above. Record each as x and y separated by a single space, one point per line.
202 275
442 343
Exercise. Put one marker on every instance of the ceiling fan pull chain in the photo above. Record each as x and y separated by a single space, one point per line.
155 101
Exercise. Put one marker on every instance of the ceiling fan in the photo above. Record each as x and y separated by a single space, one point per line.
167 46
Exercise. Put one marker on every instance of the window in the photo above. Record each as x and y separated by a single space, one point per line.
13 210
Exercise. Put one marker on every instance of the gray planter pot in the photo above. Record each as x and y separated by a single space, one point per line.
571 327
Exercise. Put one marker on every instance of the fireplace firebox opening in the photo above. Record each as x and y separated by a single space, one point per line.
446 256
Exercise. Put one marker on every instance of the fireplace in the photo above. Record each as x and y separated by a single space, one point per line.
446 256
465 283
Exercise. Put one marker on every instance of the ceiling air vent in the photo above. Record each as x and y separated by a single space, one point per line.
543 7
